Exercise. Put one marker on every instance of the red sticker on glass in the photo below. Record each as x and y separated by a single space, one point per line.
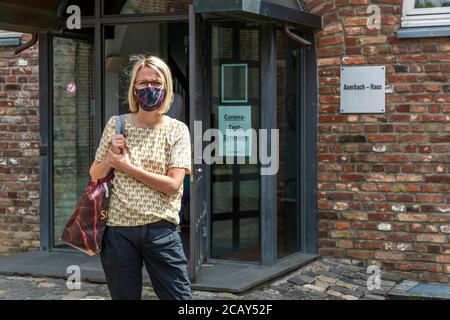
71 88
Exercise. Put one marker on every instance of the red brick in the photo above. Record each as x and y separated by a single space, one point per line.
393 158
401 78
347 244
431 238
360 254
351 177
438 179
353 60
342 225
430 198
340 196
355 216
373 235
416 138
388 255
420 257
432 277
382 138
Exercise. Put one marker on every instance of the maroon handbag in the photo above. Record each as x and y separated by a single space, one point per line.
85 228
84 231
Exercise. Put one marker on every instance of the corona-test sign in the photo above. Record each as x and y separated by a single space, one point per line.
234 121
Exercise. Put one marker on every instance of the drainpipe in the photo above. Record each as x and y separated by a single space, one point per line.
25 46
288 33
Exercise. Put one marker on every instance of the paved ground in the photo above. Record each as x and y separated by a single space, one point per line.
323 279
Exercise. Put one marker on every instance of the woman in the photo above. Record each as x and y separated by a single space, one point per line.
150 164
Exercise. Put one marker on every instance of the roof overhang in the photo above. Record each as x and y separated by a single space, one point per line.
42 15
263 10
29 15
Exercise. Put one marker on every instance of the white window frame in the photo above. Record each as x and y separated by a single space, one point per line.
424 17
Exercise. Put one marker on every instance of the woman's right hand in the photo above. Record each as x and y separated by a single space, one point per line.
118 143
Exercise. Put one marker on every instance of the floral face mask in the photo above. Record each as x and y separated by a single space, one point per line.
150 98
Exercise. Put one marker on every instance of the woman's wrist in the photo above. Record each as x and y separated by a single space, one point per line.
130 169
99 170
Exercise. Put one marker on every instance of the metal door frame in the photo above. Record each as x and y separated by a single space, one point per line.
46 105
199 93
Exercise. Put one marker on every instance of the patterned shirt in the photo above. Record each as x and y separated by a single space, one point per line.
156 150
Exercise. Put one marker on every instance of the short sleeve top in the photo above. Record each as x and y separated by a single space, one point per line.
156 150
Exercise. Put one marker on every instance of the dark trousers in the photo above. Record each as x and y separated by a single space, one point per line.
159 246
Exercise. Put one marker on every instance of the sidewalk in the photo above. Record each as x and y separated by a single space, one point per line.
325 278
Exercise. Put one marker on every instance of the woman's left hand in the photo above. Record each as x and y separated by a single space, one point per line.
119 162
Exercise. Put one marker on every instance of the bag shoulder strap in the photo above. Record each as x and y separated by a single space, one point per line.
120 123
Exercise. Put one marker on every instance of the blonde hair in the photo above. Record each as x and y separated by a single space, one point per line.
162 68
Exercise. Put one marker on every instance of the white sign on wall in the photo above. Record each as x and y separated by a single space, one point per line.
363 89
233 122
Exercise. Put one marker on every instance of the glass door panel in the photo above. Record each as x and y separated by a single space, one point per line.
124 41
235 194
288 215
73 147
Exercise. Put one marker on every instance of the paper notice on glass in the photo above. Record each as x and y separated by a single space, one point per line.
235 125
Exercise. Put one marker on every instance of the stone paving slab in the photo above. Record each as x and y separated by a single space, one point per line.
324 279
415 290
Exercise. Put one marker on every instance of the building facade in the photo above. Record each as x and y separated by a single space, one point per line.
369 186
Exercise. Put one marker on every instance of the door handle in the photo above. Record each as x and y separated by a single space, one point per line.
43 150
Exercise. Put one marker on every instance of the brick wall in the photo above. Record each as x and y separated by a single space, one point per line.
19 150
383 179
